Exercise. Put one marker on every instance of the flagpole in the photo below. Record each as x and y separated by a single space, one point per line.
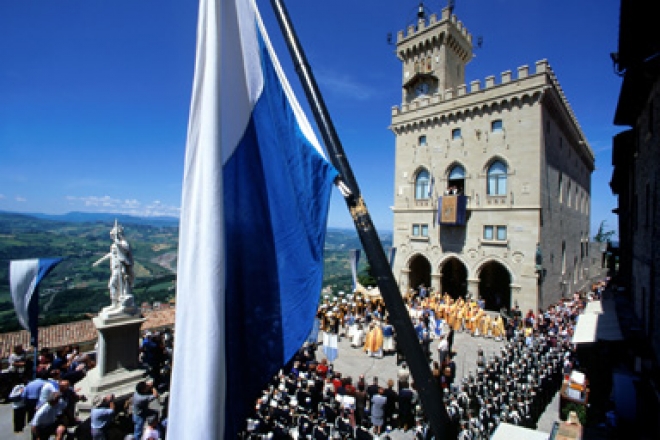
407 340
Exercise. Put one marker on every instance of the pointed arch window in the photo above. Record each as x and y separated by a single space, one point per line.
422 183
497 179
456 180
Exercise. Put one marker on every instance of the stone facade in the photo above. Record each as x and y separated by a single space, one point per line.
635 178
514 148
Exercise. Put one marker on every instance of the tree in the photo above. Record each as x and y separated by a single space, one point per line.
603 236
366 279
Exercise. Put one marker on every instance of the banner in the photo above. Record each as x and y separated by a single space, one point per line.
452 210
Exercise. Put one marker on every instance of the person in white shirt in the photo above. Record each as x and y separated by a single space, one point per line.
46 421
443 349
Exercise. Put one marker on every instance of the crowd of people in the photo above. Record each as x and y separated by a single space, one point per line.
47 403
309 399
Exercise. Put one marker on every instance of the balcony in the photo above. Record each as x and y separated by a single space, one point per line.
452 210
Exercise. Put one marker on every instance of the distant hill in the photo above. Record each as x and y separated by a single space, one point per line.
91 217
76 288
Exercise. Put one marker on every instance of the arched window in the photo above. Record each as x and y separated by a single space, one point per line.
497 179
456 180
422 182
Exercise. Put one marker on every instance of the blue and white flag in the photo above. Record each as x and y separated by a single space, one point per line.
392 256
256 192
354 255
24 279
330 345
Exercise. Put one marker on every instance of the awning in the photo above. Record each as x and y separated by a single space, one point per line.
599 322
506 431
370 293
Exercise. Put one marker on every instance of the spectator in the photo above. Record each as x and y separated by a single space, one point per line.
51 385
406 404
152 431
144 394
18 361
32 392
71 397
18 407
102 416
46 421
378 403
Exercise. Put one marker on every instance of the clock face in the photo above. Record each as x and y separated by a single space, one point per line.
421 89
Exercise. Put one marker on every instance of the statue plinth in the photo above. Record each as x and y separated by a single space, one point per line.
124 310
117 357
118 326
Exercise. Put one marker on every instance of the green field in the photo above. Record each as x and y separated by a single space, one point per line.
76 288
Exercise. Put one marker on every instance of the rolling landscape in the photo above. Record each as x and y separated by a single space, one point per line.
76 289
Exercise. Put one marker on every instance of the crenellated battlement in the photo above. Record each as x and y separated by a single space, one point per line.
423 25
525 87
476 86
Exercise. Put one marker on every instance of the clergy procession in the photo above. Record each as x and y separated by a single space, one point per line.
311 398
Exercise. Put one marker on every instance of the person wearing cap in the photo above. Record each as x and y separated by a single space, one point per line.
102 415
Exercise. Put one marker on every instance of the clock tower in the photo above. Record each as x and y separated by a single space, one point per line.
434 54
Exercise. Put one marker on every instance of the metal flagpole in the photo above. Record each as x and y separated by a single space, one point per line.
406 336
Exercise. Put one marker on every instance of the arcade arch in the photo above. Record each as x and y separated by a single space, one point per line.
454 277
420 271
495 285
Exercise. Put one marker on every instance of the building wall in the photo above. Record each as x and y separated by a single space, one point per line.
565 192
524 104
644 216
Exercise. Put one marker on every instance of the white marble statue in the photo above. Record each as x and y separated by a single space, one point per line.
121 272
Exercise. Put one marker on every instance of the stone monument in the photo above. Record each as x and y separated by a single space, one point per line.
118 329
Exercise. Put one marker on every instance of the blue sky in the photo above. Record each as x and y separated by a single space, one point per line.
94 94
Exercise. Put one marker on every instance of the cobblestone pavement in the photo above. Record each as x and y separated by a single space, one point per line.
354 362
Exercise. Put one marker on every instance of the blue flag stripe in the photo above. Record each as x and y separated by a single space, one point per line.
253 219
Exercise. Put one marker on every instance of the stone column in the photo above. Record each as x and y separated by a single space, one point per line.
404 283
436 282
473 287
516 296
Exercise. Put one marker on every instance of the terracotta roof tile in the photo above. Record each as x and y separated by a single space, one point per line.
78 332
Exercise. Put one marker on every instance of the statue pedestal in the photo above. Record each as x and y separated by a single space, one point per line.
117 368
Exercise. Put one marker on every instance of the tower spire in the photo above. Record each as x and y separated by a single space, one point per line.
421 15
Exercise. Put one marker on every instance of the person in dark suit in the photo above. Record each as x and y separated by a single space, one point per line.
360 403
406 401
372 389
390 406
450 339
